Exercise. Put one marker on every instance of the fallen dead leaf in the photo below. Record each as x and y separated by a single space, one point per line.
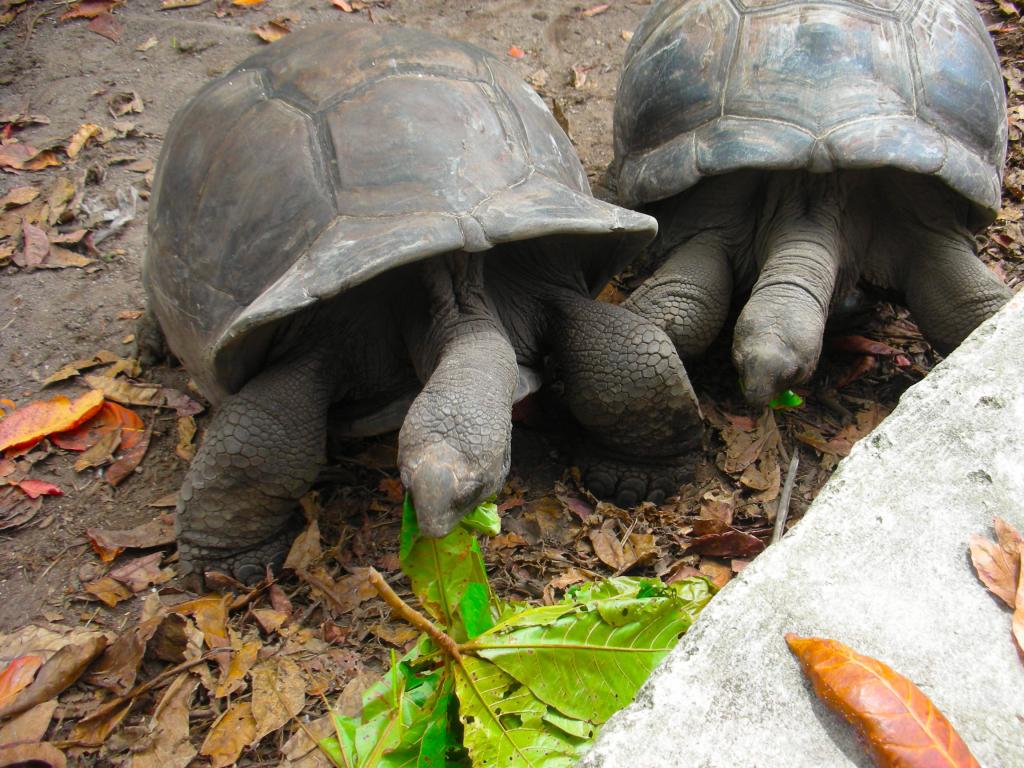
29 726
305 550
93 730
273 30
110 419
118 667
278 694
88 9
16 508
107 590
170 746
516 52
124 392
595 10
19 196
720 573
38 755
170 5
36 488
151 42
343 5
17 676
890 714
155 533
998 563
57 674
130 459
242 660
80 138
269 620
107 26
186 448
230 734
35 247
99 453
141 572
715 538
1017 625
397 634
26 426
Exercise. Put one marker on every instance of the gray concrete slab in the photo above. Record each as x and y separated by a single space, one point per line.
879 562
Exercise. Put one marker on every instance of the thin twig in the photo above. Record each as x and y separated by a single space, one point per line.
414 617
787 493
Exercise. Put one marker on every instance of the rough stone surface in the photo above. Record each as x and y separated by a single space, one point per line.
879 562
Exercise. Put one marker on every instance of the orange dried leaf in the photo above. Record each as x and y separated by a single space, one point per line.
1018 614
516 52
597 9
899 725
80 138
242 660
56 675
17 676
272 30
110 418
125 465
19 196
36 488
29 424
88 9
109 591
229 735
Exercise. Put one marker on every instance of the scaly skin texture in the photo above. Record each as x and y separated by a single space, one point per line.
262 452
264 447
627 389
800 242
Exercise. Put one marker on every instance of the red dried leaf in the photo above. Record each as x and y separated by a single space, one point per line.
155 533
863 346
36 488
129 460
107 26
35 247
29 424
16 509
714 538
17 676
899 725
88 9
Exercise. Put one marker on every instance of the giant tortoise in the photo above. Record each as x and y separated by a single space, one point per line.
790 149
390 226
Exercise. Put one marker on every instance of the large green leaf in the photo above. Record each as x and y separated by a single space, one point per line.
441 570
588 659
405 722
505 724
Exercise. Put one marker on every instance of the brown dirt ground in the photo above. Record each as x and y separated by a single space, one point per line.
50 317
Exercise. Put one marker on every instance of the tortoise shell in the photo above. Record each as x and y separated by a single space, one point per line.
336 154
713 86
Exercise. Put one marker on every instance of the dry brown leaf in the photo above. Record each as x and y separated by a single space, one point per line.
396 634
130 459
75 367
169 746
718 504
595 10
720 573
93 730
151 42
998 563
80 138
155 533
305 550
124 392
273 30
28 726
118 667
57 674
105 25
1017 626
35 247
278 694
19 196
99 453
242 660
108 591
141 573
35 755
186 448
270 620
88 9
230 734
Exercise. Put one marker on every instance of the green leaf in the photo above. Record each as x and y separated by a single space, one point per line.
787 399
399 710
588 659
475 609
441 570
484 519
504 724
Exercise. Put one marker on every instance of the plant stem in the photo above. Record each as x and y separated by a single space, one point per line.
414 617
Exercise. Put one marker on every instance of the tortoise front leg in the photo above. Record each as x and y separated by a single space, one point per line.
627 388
262 452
